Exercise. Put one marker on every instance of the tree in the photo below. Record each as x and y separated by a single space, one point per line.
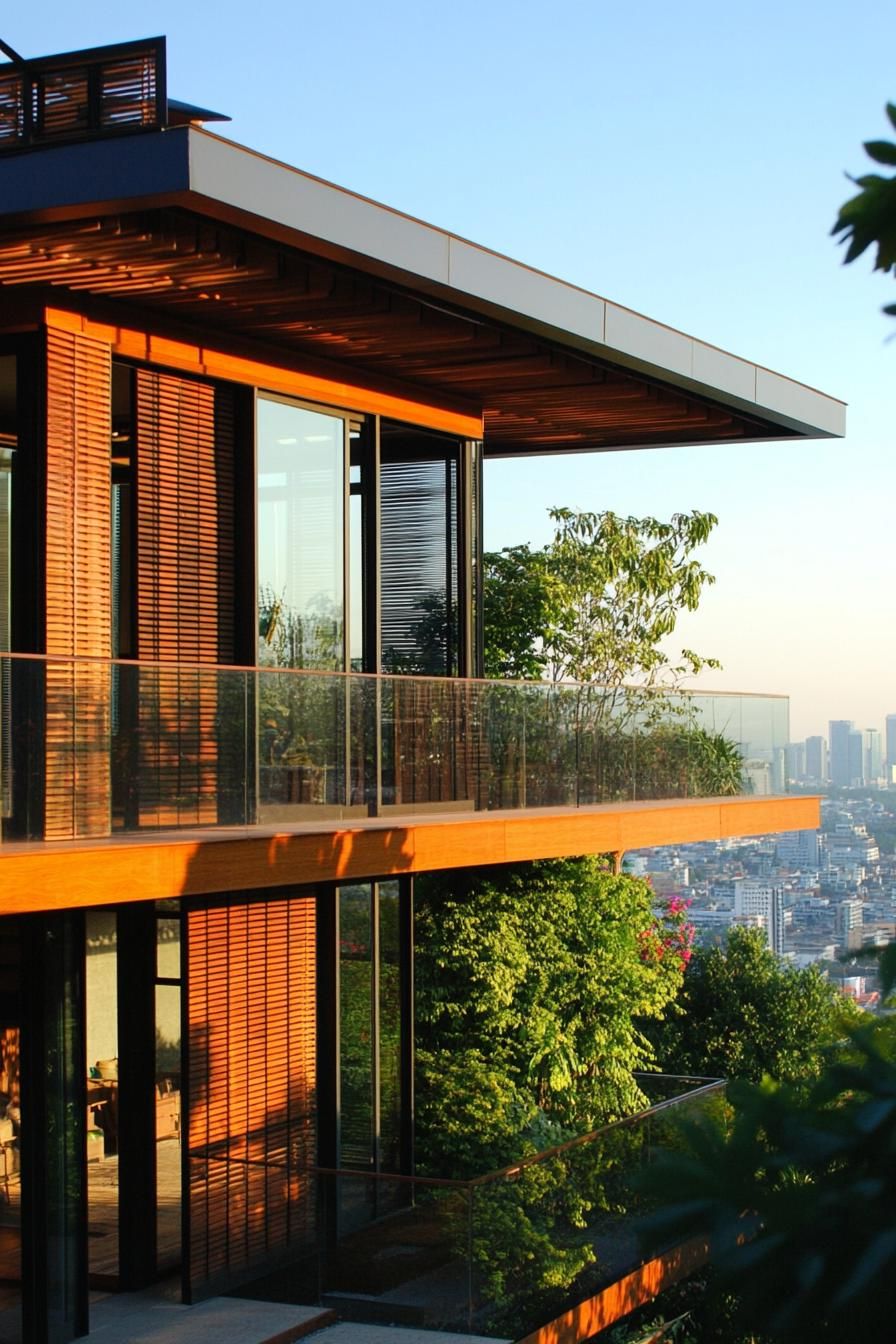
870 217
532 981
595 604
743 1014
798 1200
540 974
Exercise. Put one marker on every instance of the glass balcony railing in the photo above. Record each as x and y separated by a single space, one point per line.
499 1254
91 747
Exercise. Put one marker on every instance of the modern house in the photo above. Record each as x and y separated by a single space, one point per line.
243 418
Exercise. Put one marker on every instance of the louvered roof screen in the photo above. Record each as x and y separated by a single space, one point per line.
83 94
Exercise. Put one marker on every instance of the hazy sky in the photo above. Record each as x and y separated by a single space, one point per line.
686 160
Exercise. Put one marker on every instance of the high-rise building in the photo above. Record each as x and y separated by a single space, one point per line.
856 757
891 748
798 849
873 754
817 758
765 899
849 923
838 736
795 760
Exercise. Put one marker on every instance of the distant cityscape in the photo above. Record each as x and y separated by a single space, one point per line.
826 897
848 758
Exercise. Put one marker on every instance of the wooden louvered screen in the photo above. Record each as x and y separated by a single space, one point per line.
12 109
185 600
129 91
252 1128
84 94
78 591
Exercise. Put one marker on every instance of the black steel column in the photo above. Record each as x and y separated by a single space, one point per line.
136 1095
54 1160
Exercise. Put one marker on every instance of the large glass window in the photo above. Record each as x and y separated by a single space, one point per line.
8 445
11 1133
420 561
168 1088
101 1039
301 537
370 1045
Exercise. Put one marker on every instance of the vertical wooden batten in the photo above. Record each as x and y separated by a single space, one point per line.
252 1129
78 585
185 589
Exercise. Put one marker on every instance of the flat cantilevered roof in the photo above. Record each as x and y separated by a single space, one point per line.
314 268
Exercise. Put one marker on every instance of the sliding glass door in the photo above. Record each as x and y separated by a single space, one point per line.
373 1075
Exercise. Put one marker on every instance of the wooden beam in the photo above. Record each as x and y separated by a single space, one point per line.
208 362
626 1295
56 876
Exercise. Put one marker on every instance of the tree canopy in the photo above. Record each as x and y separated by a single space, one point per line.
596 602
797 1199
742 1013
532 983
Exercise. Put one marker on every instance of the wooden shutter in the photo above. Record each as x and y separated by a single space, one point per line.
78 586
185 602
251 1128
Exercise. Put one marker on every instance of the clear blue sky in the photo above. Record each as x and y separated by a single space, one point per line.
686 160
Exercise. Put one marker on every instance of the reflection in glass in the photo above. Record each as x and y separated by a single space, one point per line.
10 1186
8 443
419 537
168 1117
101 994
356 1066
390 1029
301 492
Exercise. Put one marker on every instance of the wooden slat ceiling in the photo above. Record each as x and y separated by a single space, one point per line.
535 396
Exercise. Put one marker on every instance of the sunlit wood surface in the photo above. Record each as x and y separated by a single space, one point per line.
66 874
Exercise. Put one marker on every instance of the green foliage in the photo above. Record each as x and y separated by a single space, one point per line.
743 1014
799 1198
544 972
869 218
472 1116
595 604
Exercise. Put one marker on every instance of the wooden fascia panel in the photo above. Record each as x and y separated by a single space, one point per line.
60 876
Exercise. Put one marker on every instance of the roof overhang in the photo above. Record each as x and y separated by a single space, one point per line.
192 170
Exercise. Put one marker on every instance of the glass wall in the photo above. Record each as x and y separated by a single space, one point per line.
390 1050
301 536
102 1127
168 1089
420 552
11 1122
370 1045
8 444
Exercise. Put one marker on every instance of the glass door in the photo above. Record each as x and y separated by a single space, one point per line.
371 1041
10 1185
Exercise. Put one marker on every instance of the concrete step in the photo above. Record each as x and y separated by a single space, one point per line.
354 1332
148 1318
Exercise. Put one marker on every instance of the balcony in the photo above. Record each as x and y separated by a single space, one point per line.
345 776
501 1253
